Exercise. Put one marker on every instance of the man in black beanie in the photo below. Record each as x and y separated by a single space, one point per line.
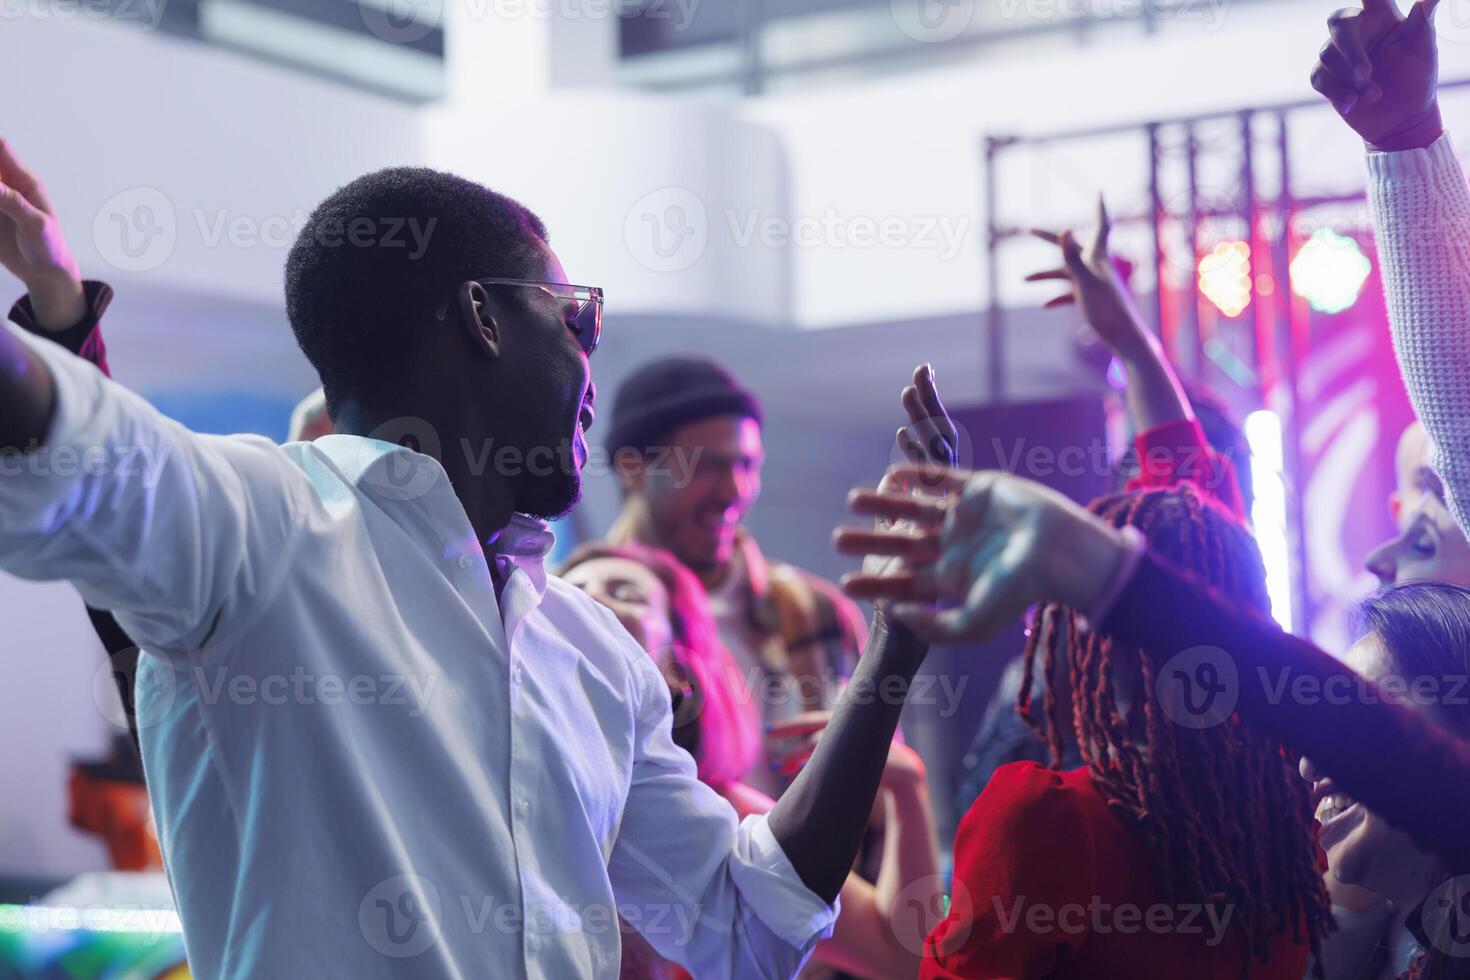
686 443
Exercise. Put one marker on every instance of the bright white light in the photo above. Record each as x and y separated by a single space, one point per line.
1268 513
1329 271
1225 277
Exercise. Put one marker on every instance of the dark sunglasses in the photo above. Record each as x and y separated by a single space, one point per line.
586 320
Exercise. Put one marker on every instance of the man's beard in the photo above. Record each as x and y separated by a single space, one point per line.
549 496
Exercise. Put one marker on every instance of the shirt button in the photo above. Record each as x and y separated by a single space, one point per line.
465 561
523 804
515 673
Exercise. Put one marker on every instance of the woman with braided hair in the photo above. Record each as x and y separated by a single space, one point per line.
1180 848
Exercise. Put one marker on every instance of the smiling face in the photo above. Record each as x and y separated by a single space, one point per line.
697 495
1362 849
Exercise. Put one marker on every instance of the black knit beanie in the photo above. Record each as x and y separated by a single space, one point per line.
670 393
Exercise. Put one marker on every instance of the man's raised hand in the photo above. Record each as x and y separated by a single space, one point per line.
33 249
1380 70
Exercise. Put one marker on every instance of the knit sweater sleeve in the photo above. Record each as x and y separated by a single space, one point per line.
1421 214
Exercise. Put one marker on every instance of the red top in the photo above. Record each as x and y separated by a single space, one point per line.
1051 883
1177 451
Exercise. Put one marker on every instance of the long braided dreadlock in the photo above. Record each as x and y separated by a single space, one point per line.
1222 808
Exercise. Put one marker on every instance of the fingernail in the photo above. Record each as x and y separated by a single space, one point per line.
929 371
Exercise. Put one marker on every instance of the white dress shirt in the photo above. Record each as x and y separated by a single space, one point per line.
362 764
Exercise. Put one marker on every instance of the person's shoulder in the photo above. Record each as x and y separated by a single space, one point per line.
1027 794
591 626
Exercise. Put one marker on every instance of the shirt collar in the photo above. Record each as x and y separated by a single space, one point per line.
391 472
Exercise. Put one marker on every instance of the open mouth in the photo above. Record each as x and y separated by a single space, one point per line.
1336 813
587 415
1333 806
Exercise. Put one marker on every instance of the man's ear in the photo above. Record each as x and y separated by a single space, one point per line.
631 468
473 315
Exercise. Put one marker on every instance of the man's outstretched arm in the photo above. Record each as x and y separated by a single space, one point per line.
174 531
33 250
820 820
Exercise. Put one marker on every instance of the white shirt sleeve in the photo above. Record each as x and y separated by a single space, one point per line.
1421 214
717 896
179 534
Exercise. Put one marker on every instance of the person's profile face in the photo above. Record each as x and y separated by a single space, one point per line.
1429 548
548 393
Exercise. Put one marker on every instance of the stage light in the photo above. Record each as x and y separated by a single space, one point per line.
1268 512
1329 271
1225 277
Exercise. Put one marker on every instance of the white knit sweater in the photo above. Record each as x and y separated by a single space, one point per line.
1421 211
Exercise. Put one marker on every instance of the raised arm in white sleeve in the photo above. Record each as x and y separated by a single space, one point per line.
179 534
1421 213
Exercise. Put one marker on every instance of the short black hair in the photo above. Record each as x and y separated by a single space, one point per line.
380 255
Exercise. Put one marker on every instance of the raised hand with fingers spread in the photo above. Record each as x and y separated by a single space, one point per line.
33 249
1380 70
1154 394
1096 286
997 542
